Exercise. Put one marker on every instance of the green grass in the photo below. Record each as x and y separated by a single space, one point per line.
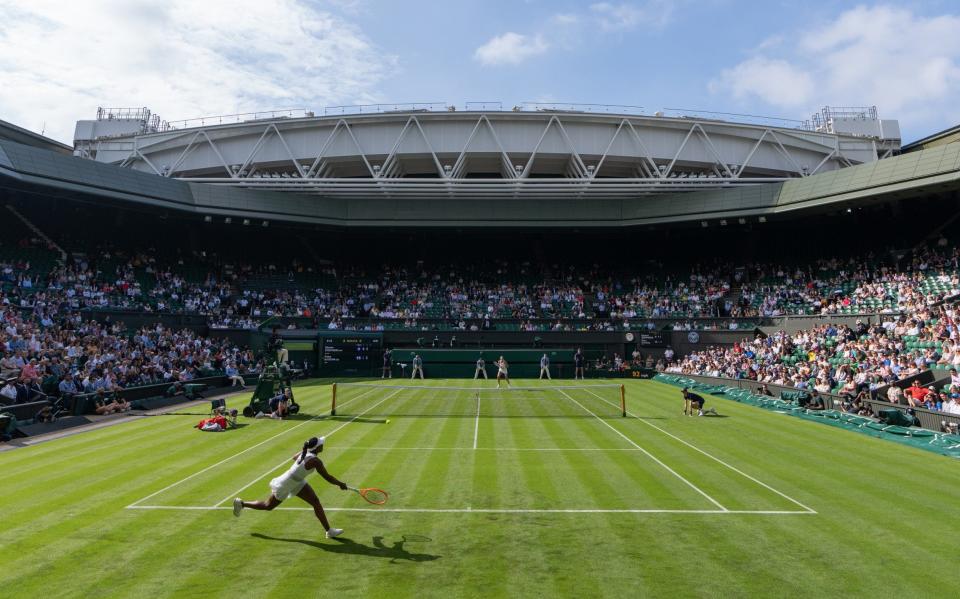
882 526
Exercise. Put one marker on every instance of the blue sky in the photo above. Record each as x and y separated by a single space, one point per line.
185 59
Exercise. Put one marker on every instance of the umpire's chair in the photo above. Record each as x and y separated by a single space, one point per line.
274 379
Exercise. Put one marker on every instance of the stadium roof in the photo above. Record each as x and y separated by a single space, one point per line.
920 173
20 135
939 138
418 155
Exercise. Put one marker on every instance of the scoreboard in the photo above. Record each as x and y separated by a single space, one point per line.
350 352
652 339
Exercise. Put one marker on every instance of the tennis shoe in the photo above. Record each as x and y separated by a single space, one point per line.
334 532
260 415
700 413
237 507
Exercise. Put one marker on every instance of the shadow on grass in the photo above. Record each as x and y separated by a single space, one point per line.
319 418
326 381
473 416
292 417
394 552
355 419
704 416
298 417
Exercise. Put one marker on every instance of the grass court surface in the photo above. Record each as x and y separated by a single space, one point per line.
544 492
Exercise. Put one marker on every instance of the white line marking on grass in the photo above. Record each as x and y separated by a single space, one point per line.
230 457
714 458
486 510
254 481
388 448
650 455
476 425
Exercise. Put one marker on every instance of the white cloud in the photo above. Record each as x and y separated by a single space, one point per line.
182 58
564 19
510 48
906 64
776 82
568 30
626 16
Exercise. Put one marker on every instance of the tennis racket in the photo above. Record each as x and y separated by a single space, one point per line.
371 495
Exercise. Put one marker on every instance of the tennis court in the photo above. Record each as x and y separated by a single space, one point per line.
535 448
547 491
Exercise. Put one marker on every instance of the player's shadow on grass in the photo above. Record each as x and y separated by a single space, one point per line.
394 552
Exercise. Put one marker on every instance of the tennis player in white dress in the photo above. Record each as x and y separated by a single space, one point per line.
294 482
502 368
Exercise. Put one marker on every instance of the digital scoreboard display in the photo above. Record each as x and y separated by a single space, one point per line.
350 351
652 339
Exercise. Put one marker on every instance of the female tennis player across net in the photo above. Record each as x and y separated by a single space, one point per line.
502 368
294 482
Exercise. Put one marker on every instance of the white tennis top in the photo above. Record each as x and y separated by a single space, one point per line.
298 470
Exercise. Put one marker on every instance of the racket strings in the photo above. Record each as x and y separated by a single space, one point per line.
375 496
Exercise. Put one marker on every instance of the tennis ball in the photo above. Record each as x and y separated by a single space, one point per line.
388 421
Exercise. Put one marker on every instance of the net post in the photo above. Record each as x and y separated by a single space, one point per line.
333 403
623 400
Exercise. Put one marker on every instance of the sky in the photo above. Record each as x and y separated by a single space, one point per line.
60 60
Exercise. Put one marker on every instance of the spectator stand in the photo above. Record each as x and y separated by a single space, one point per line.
743 391
78 410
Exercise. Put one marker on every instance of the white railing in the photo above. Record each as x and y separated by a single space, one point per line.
232 119
485 106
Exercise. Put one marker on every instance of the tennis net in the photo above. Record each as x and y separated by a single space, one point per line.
425 400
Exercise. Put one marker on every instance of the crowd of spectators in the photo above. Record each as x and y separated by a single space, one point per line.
47 350
920 332
861 284
470 297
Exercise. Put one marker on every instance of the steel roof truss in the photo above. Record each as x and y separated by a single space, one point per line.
574 156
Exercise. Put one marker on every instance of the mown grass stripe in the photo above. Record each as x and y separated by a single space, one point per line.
654 458
718 460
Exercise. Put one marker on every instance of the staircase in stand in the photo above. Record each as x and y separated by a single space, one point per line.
36 230
734 295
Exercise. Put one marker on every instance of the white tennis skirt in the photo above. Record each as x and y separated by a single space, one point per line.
285 488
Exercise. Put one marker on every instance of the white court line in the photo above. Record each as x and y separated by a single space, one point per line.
650 455
230 457
389 448
476 426
484 510
714 458
287 460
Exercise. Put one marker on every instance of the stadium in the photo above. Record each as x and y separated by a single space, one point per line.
556 349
